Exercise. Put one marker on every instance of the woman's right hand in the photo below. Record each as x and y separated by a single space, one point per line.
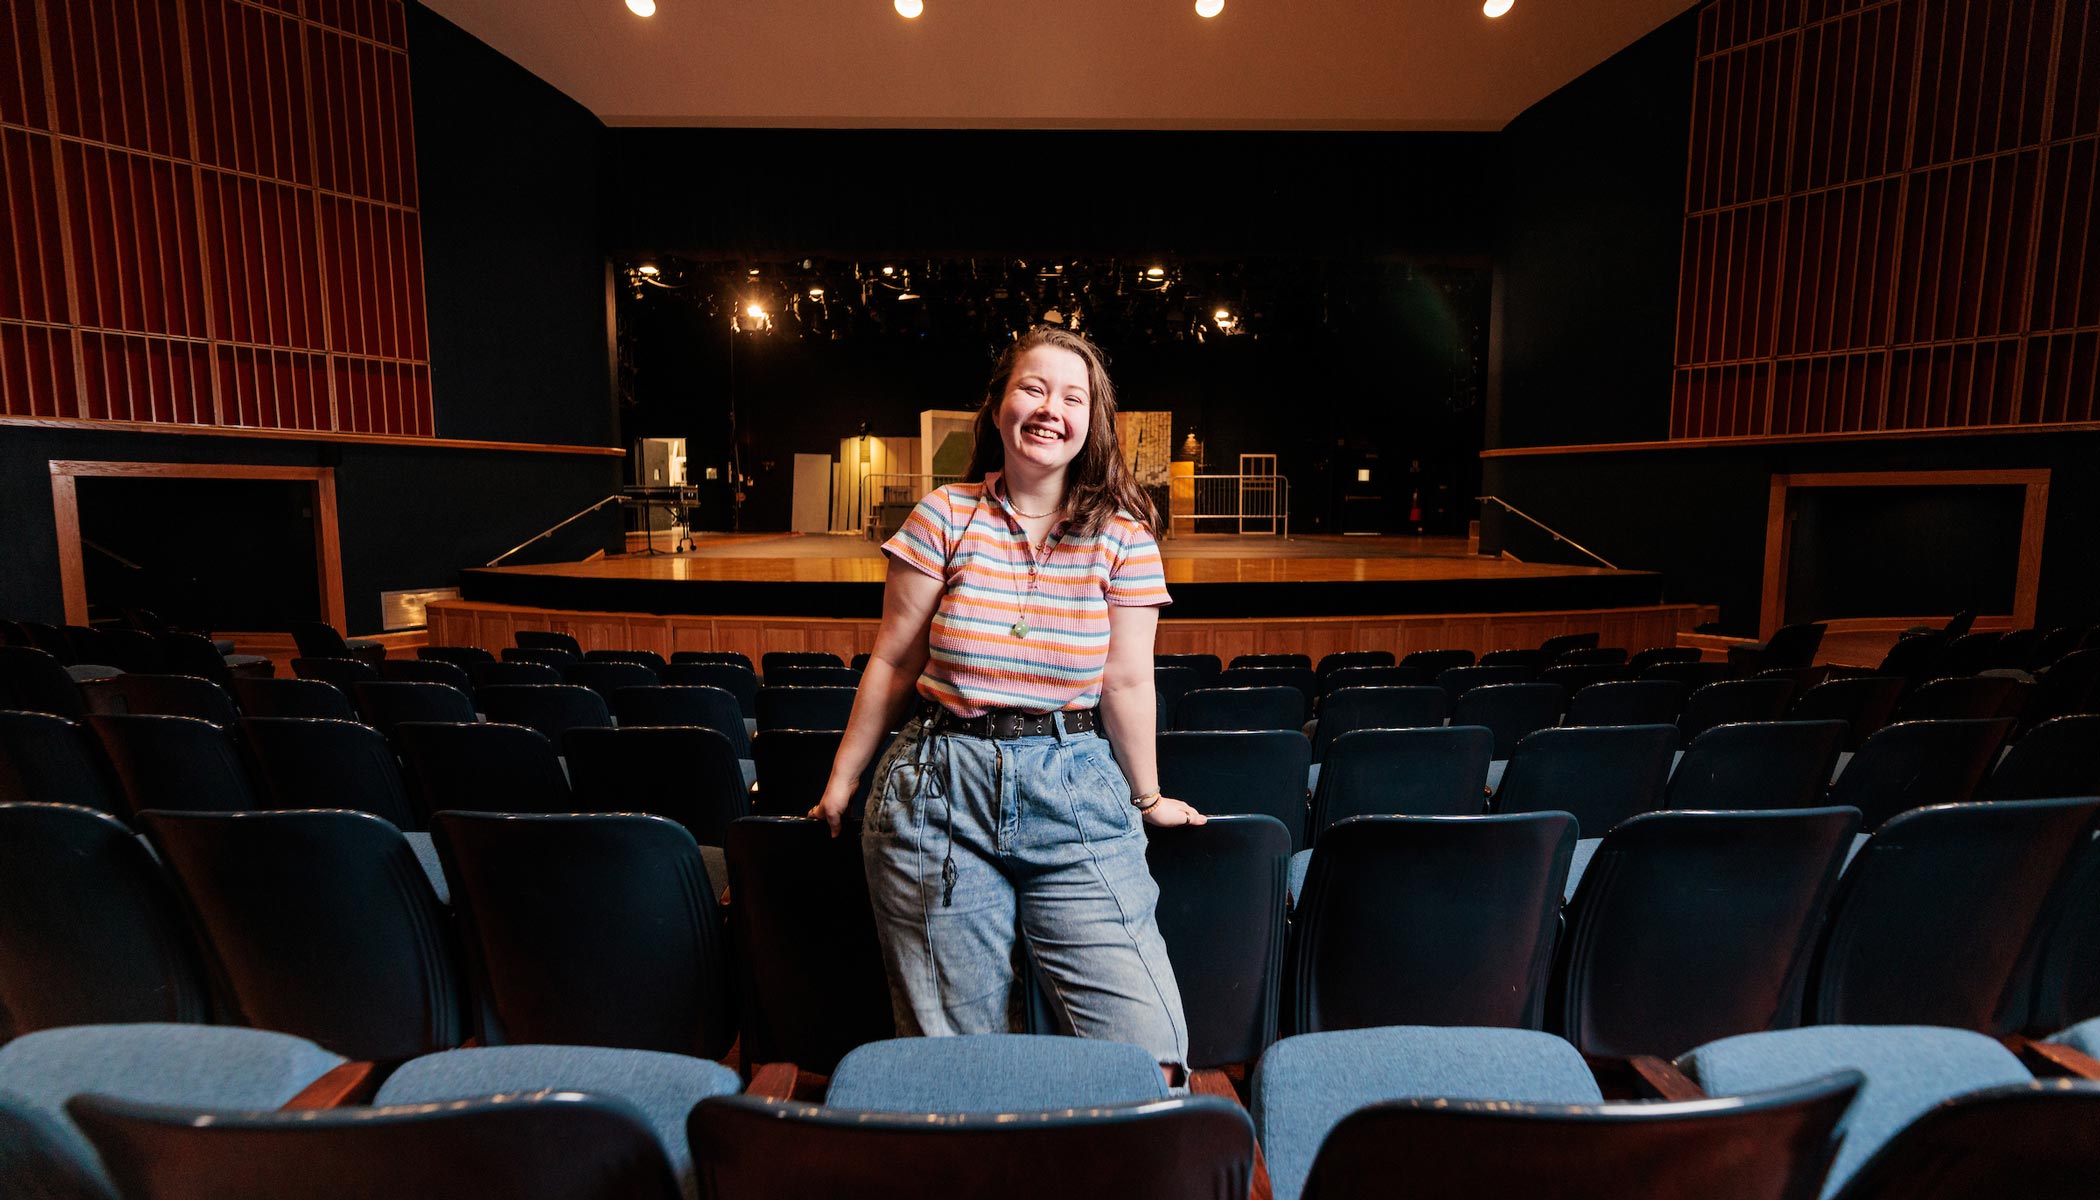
832 808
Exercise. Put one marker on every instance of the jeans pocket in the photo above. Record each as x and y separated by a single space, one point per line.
899 769
1106 791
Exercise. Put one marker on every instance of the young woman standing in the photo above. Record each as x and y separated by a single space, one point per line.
1018 615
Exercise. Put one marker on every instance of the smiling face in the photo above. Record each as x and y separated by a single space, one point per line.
1043 416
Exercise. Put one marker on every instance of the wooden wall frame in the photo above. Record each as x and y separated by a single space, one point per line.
65 507
2033 517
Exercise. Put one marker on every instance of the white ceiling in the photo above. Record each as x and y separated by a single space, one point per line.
1086 64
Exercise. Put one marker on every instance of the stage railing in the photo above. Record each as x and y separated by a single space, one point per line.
887 499
1558 536
1255 504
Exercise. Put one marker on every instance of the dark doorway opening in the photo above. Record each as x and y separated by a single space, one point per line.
220 554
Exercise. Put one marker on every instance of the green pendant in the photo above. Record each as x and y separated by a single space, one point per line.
1019 629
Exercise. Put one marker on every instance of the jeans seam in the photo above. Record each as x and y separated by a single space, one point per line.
1123 920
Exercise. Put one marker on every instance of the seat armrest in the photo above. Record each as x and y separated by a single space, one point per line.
2050 1061
1641 1077
786 1081
1213 1082
350 1083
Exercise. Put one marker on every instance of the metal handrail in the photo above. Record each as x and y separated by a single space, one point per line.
615 498
1558 536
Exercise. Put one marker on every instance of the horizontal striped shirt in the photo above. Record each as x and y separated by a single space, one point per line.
966 536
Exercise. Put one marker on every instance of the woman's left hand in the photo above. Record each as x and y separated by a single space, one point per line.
1169 812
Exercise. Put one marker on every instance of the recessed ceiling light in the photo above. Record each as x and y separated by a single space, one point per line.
1209 8
1496 8
910 8
642 8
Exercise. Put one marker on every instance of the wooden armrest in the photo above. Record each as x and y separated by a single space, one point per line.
775 1081
1663 1079
1641 1077
350 1083
1213 1082
2051 1061
786 1081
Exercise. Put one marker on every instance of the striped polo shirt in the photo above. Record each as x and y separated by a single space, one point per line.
967 537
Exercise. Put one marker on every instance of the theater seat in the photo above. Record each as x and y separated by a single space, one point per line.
992 1073
661 1088
1908 1069
1589 1152
1199 1148
206 1066
1305 1085
531 1146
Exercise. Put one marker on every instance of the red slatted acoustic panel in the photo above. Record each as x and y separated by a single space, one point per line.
1889 218
211 215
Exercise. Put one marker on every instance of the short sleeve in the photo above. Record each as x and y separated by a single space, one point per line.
1136 577
927 538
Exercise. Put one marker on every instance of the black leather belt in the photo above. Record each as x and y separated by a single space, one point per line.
1002 724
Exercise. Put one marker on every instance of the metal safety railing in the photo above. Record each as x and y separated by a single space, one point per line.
1254 504
1558 536
886 499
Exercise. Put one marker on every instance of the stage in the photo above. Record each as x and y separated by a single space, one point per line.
1232 595
1211 576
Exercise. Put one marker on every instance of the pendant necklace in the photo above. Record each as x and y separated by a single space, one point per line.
1020 628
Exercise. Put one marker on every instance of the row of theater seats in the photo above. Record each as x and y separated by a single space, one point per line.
1857 1113
1210 985
598 931
1283 697
1607 774
604 929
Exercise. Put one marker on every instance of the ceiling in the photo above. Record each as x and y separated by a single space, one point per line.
1072 64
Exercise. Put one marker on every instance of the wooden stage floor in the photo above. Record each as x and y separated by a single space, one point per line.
1232 595
1198 559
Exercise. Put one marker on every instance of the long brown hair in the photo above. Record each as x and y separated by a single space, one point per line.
1098 482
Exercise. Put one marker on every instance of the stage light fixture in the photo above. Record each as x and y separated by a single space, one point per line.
642 8
889 271
1209 8
816 293
648 269
1496 8
909 9
907 295
1155 272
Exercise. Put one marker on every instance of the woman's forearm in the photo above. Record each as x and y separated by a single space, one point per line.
1132 717
885 694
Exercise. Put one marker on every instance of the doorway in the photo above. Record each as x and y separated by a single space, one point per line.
207 545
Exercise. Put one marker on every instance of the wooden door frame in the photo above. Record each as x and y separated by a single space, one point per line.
2033 517
65 506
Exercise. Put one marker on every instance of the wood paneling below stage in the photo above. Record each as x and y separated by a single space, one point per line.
493 626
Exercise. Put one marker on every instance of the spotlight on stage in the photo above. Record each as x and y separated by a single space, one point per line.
1209 8
752 319
1496 8
909 8
642 8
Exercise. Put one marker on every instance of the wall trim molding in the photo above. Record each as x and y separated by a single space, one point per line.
84 425
1792 439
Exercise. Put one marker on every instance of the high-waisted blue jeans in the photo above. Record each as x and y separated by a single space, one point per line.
976 848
